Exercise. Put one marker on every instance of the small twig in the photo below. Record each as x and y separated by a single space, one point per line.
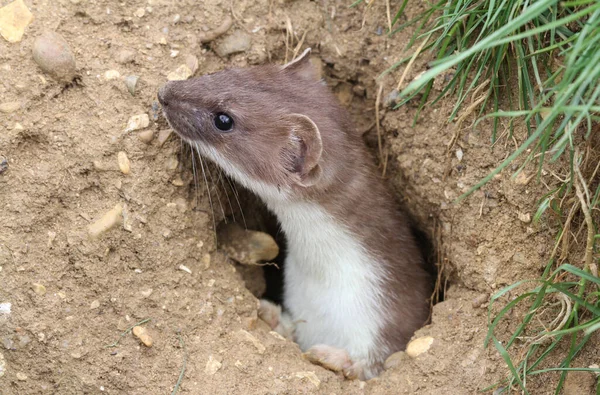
297 49
289 36
116 343
389 15
564 235
180 379
481 206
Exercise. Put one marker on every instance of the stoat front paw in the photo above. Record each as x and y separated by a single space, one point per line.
335 359
279 321
331 358
269 312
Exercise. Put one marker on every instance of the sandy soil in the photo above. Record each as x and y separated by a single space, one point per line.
56 341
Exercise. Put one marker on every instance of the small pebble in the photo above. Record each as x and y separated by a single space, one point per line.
21 376
95 304
392 98
310 376
107 222
2 365
524 217
126 219
155 110
163 136
146 136
8 343
192 63
459 154
238 41
5 308
246 246
14 18
140 12
112 75
185 269
38 289
137 122
205 261
177 181
52 53
51 238
248 337
522 178
277 335
131 83
3 164
183 72
171 163
9 107
141 333
146 293
176 18
174 53
418 346
479 301
212 366
124 164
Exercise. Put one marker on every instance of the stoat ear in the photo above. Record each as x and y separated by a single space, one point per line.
303 67
303 150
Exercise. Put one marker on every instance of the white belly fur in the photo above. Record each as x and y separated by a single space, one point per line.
331 283
332 286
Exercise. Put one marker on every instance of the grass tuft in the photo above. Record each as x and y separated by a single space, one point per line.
535 65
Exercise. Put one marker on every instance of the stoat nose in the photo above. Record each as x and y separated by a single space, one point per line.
163 95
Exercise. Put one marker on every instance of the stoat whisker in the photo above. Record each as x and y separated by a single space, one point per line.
237 199
220 180
196 190
215 187
212 210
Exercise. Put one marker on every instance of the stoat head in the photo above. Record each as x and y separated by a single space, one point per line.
265 125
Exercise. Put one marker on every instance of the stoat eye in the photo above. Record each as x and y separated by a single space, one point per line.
223 122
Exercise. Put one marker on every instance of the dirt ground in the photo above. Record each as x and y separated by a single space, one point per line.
62 145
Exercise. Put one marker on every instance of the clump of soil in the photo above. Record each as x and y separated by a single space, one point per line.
72 296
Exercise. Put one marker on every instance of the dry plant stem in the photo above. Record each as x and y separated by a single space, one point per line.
412 61
589 248
289 36
389 15
297 49
564 237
